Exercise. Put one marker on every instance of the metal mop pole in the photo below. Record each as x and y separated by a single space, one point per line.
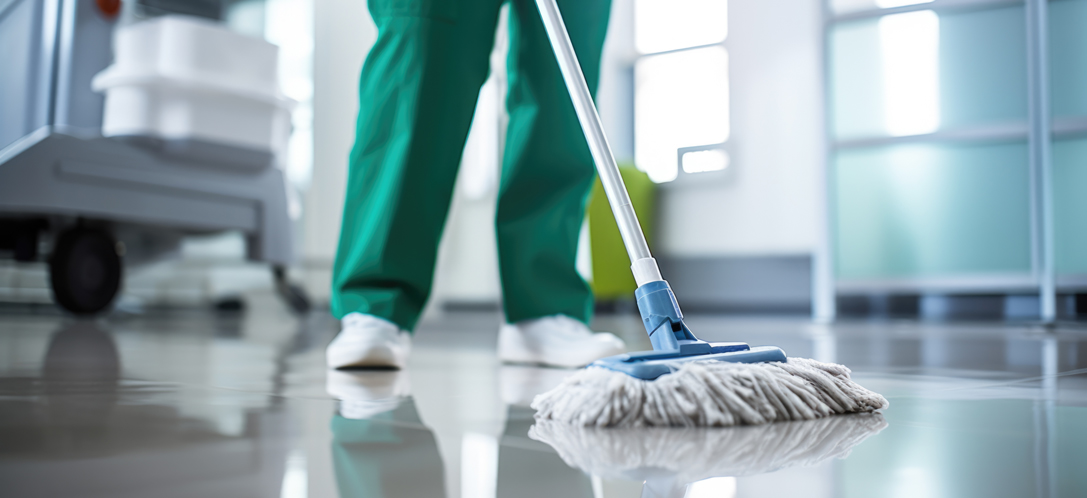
642 265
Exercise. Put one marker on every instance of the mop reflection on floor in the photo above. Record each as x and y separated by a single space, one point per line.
669 459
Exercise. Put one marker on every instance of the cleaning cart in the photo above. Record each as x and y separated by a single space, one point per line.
110 161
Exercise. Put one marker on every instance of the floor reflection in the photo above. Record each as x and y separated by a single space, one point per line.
669 460
179 404
386 454
382 448
67 409
80 428
80 377
983 447
529 469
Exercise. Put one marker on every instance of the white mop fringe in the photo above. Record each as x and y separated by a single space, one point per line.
708 394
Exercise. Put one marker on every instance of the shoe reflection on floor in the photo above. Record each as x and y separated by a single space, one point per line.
529 468
388 454
382 449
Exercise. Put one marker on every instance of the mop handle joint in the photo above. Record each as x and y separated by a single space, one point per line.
663 319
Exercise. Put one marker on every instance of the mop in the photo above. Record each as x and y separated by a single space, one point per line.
684 381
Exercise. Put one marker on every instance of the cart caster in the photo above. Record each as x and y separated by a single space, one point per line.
85 270
293 295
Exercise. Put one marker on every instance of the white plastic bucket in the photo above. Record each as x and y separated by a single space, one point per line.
181 78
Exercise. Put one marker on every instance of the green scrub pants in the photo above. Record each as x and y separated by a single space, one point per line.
418 90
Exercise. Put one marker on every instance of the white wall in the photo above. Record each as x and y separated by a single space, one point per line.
769 202
615 93
343 34
467 270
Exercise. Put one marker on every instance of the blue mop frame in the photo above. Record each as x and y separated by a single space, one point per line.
673 342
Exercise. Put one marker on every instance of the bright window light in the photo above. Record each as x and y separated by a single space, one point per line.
681 100
886 4
910 46
289 24
704 160
661 25
715 487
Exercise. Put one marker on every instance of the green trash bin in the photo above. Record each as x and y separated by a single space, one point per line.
612 280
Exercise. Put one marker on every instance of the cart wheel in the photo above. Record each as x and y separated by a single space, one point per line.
85 270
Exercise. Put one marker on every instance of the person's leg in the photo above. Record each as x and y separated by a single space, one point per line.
417 92
547 170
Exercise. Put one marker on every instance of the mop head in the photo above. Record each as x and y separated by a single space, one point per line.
708 394
693 454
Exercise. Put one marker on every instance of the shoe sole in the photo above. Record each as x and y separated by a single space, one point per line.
374 359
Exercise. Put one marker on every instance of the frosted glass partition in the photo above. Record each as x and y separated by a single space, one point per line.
983 67
930 171
975 61
856 80
923 210
1068 94
1070 205
1068 57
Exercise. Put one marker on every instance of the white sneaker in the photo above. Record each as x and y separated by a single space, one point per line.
364 394
369 341
556 340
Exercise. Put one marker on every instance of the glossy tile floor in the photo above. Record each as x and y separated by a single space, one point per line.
187 403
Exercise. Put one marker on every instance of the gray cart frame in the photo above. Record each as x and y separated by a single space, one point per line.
57 172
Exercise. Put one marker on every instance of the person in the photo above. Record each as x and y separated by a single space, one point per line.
418 89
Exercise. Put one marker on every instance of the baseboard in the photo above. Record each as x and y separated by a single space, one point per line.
728 284
471 306
943 307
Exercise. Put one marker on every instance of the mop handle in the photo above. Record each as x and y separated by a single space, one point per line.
642 265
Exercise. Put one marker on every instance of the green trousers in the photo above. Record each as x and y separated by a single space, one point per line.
418 91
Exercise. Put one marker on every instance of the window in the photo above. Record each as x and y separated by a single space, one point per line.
910 46
681 111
